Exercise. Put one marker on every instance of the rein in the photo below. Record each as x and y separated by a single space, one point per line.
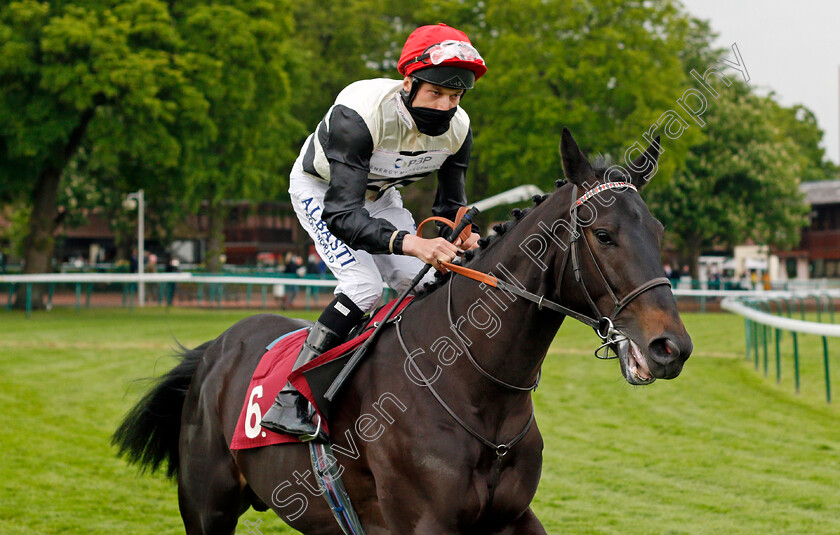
604 325
500 449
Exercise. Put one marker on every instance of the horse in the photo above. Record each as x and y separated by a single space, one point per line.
435 432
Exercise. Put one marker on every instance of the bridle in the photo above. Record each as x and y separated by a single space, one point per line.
604 325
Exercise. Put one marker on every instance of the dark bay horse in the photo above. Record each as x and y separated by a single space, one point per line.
466 457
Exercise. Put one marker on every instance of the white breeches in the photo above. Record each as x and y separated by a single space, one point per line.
359 273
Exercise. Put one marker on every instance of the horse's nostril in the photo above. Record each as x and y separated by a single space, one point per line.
664 350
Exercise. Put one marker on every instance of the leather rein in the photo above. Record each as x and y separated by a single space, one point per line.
603 324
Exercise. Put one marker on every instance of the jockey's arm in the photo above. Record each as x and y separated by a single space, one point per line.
451 192
348 151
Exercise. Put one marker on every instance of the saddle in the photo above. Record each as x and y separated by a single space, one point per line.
312 380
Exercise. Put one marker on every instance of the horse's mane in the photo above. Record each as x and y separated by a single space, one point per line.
600 164
483 244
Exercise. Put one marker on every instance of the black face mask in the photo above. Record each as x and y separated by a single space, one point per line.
430 121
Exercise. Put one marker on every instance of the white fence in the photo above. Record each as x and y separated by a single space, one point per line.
215 284
758 325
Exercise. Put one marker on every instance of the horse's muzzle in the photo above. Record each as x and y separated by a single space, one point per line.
667 354
634 366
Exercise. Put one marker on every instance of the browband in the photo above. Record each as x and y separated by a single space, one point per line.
604 187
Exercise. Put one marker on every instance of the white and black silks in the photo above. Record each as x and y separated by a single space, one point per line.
367 143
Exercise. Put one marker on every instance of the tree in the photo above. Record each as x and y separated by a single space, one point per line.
337 53
186 100
605 68
741 182
800 126
244 58
63 70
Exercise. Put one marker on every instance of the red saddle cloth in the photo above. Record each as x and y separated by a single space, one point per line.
274 369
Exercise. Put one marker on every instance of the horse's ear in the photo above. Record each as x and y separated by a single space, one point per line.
575 165
645 166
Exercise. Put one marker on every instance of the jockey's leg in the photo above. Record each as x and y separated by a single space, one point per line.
291 412
398 271
359 288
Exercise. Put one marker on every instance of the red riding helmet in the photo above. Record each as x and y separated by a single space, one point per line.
441 55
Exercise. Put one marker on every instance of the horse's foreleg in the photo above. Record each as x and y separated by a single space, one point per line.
527 524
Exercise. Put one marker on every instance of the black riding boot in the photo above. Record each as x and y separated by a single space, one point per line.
291 412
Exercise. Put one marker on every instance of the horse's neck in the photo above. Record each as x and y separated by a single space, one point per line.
507 335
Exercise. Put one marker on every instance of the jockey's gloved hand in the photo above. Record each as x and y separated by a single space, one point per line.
432 251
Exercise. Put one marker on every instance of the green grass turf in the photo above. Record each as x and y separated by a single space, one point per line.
720 450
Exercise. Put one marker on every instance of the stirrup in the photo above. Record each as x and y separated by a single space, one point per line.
318 434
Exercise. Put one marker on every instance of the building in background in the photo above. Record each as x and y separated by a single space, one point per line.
817 255
254 233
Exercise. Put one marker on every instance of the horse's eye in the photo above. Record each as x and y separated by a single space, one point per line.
604 237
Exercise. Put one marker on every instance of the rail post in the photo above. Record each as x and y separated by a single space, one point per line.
748 334
827 378
764 333
796 360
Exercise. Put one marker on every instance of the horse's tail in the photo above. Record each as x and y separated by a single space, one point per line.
149 433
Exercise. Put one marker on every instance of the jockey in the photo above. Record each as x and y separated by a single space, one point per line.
378 136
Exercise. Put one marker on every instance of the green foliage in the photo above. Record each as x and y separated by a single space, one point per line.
190 103
240 55
741 182
800 126
17 215
202 101
88 76
605 69
337 53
